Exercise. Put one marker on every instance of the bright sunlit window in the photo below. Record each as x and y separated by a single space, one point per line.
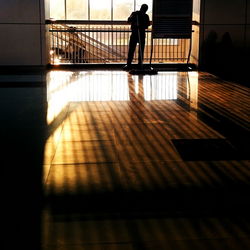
57 9
122 9
100 10
77 9
108 10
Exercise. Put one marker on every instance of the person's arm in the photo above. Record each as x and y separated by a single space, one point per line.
131 17
148 22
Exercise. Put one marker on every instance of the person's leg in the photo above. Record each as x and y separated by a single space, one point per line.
141 48
132 46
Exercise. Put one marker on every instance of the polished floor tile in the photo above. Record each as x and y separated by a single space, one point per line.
106 160
83 179
151 233
85 152
87 134
159 163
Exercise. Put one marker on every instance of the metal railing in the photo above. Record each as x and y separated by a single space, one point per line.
77 43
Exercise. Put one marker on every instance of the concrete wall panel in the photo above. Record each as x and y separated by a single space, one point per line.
224 12
20 11
248 11
21 44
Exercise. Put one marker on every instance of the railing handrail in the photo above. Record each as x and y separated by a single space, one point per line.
100 22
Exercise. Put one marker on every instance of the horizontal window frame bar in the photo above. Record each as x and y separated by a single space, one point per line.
51 21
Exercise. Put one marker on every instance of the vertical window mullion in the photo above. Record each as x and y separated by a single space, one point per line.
88 10
112 10
65 9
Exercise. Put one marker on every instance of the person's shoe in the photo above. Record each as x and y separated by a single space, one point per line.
127 67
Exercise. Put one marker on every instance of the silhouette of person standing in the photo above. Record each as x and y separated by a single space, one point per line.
139 21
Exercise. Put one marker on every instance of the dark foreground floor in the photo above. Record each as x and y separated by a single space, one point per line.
105 160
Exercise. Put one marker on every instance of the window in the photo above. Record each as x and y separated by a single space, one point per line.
77 9
100 10
107 10
57 9
122 9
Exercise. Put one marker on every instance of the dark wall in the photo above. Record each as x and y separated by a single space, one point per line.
23 107
225 38
23 32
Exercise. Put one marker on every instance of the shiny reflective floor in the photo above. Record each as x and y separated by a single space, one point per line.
106 160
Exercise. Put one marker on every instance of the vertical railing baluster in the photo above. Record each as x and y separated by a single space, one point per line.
123 37
108 42
115 46
185 49
100 40
174 50
120 47
57 46
177 48
65 44
94 43
88 37
53 46
90 47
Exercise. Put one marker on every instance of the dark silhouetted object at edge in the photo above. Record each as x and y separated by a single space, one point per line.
222 58
139 21
226 56
209 51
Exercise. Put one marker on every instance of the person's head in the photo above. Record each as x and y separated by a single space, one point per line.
144 8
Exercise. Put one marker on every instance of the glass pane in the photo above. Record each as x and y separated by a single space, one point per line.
149 3
100 9
57 9
122 9
77 9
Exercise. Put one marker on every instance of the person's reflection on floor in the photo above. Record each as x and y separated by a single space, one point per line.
137 98
136 90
